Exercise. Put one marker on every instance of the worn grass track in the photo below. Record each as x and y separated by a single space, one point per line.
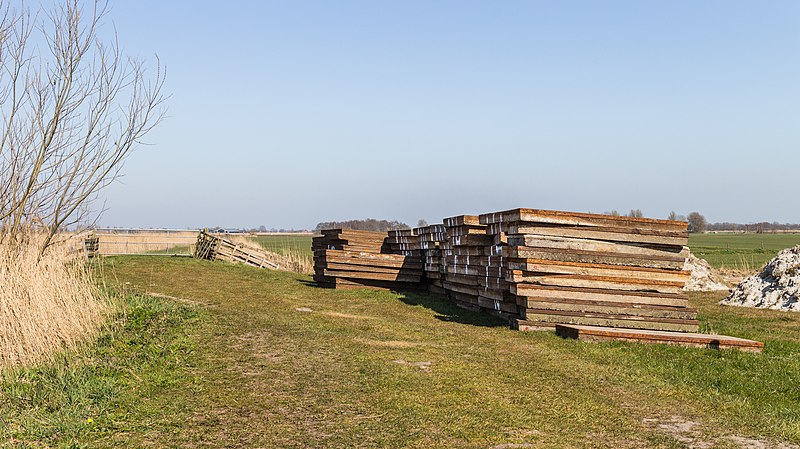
378 369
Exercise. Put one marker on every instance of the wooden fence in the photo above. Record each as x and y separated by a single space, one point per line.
213 247
119 241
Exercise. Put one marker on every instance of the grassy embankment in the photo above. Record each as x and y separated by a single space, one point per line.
743 252
261 358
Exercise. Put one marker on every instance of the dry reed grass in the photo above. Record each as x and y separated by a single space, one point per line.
737 273
144 241
291 260
46 303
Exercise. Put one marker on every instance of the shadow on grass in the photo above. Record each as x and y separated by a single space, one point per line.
445 309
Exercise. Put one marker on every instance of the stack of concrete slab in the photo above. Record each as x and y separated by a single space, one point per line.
431 238
588 276
464 251
590 269
346 258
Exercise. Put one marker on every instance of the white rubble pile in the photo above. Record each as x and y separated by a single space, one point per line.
703 278
776 287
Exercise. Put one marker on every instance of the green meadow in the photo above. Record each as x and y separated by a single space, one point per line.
746 252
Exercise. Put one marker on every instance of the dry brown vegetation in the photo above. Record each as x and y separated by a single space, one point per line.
46 302
142 241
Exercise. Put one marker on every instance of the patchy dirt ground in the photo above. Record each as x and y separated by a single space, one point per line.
691 434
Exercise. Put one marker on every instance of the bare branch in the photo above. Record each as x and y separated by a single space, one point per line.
73 107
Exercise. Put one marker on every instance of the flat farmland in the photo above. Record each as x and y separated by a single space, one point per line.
747 252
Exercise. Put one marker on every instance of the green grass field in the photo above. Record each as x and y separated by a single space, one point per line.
299 244
747 252
232 356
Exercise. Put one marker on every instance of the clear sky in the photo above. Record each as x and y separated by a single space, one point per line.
289 113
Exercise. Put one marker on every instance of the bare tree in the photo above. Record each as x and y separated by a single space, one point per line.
697 222
73 106
676 216
635 213
421 223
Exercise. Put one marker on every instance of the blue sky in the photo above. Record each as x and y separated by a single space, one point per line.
290 113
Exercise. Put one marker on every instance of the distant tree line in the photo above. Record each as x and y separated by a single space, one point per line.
263 228
634 213
369 224
754 227
697 222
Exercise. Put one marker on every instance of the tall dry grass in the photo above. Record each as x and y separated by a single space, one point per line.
296 261
143 241
46 303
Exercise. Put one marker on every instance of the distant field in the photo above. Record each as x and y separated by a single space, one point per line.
285 243
740 251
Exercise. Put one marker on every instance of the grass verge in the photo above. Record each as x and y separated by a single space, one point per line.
120 384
